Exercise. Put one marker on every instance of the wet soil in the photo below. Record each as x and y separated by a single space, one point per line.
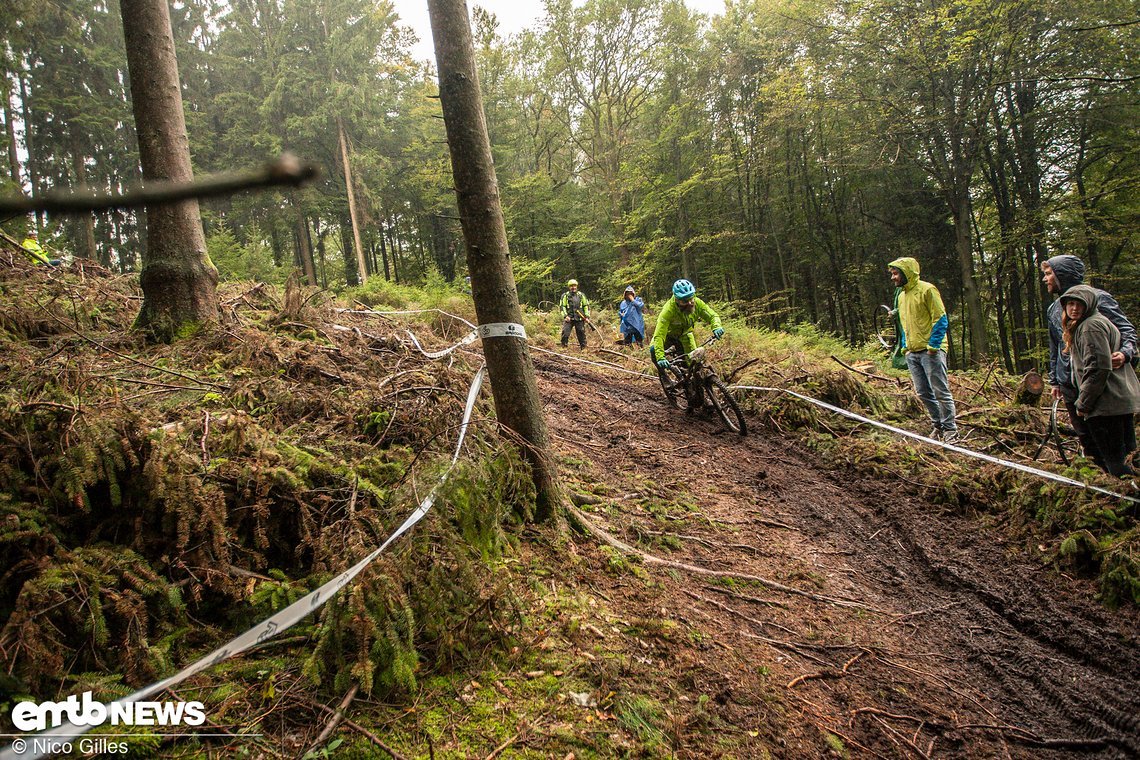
930 634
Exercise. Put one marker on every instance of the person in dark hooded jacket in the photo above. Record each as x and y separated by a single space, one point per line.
1059 274
1107 398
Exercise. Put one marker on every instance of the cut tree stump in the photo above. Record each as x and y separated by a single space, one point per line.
1030 388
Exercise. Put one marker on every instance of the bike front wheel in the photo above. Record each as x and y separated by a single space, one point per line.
673 383
726 407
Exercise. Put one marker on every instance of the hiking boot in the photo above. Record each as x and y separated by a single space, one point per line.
950 436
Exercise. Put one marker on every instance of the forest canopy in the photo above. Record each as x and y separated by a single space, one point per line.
778 156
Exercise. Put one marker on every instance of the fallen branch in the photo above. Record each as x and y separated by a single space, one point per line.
892 733
730 378
1028 737
745 598
893 380
615 353
650 559
885 714
336 718
359 729
808 676
826 673
155 383
501 747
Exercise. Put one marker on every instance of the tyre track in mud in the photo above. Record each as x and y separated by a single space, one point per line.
1071 654
1047 658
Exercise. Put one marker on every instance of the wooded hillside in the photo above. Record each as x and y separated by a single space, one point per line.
779 155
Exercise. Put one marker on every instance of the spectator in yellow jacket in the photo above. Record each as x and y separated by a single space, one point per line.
923 340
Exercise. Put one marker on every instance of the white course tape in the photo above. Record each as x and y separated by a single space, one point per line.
941 444
376 313
470 337
490 330
274 625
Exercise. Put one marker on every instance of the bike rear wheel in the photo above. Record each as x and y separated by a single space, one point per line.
673 383
726 407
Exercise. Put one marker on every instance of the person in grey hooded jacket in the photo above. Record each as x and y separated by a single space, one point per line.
1107 398
1059 274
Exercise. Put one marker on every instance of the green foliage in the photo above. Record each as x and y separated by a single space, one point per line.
644 718
274 595
251 261
87 598
323 752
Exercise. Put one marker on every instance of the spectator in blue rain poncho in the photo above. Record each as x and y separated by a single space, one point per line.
632 321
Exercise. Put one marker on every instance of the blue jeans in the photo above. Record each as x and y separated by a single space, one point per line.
932 384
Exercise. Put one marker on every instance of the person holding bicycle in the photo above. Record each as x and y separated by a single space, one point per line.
675 325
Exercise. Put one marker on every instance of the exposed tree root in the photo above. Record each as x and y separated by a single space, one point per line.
586 525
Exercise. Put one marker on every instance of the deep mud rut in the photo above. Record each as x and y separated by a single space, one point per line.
959 645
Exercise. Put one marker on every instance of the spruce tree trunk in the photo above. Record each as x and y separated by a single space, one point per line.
354 217
10 130
179 282
86 224
33 176
304 242
488 258
979 345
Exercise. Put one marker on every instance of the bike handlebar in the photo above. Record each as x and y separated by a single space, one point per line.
675 358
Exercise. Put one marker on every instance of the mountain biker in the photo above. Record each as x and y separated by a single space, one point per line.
675 325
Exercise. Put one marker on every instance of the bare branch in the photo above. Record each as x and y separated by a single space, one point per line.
287 169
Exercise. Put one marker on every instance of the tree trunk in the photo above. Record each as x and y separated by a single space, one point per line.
10 129
350 261
321 234
384 254
304 242
509 364
1030 389
86 222
354 217
179 282
33 176
392 246
973 302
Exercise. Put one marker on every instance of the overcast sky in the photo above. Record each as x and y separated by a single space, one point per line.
513 15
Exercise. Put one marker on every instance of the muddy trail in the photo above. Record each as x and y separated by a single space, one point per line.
923 632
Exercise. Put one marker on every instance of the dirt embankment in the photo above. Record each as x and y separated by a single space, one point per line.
926 633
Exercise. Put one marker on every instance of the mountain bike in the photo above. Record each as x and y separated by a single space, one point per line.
693 384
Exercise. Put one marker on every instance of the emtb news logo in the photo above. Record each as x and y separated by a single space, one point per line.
84 711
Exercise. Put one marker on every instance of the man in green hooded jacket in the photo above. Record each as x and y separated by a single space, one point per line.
923 340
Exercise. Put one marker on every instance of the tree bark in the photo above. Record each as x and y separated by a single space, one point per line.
33 176
354 217
179 282
979 347
384 253
10 129
488 257
304 242
86 236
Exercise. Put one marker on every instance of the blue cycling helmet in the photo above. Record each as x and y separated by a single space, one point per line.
684 289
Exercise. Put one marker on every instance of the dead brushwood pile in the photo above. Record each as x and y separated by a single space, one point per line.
159 499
